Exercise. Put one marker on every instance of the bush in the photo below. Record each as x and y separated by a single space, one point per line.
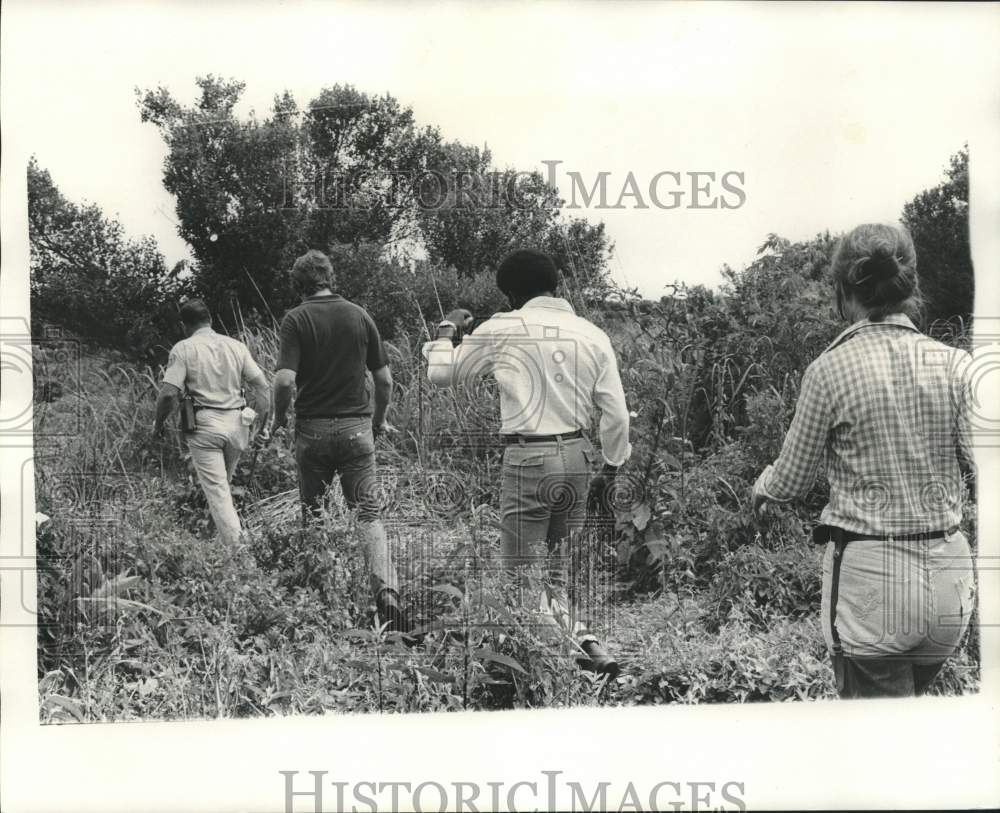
786 660
287 625
88 277
764 583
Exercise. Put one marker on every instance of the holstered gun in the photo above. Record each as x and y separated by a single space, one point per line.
188 423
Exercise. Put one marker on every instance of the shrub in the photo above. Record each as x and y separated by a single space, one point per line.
88 277
786 660
763 583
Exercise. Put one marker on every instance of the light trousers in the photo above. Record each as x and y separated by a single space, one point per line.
894 611
215 449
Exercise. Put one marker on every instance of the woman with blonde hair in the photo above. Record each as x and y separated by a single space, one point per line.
884 411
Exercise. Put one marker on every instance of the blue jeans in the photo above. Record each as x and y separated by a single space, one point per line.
328 447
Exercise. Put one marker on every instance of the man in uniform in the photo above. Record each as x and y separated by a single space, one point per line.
213 370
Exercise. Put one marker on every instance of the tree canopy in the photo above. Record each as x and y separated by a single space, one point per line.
89 277
938 219
348 168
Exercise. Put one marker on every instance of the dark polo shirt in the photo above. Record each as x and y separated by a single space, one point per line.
330 343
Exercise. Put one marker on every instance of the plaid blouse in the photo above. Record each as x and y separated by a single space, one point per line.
884 408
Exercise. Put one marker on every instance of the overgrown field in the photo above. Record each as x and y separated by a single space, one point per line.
143 615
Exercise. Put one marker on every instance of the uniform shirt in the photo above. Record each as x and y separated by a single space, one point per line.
330 344
552 368
212 368
885 408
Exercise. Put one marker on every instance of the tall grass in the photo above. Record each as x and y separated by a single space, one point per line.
144 614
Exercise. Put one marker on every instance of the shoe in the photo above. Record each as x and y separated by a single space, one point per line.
391 614
598 660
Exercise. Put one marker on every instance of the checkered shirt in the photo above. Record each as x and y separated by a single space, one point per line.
884 408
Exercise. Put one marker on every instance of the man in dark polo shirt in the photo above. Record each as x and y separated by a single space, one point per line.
328 345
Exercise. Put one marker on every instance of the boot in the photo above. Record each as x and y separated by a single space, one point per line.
390 613
597 660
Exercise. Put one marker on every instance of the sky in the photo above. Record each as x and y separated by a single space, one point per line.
832 115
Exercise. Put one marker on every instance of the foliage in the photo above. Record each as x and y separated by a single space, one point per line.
88 277
486 213
349 169
252 193
144 615
784 659
938 219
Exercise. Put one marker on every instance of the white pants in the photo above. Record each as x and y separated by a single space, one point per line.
899 599
215 449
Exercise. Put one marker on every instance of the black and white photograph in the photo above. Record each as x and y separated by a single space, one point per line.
443 378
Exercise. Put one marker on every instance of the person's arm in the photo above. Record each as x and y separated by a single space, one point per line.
284 387
257 381
169 395
377 362
794 472
284 379
963 399
609 397
452 361
383 394
167 401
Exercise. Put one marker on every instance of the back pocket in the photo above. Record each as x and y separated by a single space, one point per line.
523 456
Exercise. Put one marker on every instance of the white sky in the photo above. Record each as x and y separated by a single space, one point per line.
836 115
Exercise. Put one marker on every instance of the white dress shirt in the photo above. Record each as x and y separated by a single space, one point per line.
552 368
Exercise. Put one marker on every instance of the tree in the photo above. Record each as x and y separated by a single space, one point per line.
347 170
88 277
484 213
254 193
938 219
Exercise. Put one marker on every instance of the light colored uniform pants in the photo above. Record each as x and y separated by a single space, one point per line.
215 449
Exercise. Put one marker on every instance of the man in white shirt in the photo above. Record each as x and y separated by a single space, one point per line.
553 369
214 370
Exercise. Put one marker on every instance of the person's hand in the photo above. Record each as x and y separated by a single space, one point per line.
461 319
601 487
262 437
385 429
269 432
759 497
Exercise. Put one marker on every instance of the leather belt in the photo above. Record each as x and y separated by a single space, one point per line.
514 439
333 417
831 533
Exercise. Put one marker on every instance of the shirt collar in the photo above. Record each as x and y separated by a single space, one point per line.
203 329
894 319
553 302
